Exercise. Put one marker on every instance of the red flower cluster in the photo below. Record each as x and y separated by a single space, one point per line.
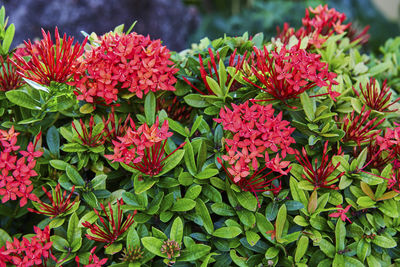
121 61
28 252
59 202
94 261
9 78
320 24
113 228
318 174
49 62
375 98
143 148
287 73
256 133
213 72
15 173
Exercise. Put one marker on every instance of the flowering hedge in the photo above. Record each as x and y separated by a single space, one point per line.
239 151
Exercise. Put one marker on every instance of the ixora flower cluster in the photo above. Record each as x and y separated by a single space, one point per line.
241 151
124 61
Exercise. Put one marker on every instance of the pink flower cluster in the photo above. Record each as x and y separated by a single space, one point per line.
256 134
143 148
124 61
15 172
28 252
286 73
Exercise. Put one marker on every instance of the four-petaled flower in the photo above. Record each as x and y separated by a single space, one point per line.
341 213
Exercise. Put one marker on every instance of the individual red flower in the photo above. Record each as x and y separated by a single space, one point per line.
359 129
286 73
320 175
143 148
59 204
112 227
87 137
341 213
34 251
213 72
375 98
94 261
121 62
9 78
50 61
16 171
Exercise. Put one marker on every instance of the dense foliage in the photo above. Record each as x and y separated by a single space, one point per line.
241 151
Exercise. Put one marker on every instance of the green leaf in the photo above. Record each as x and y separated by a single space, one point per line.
207 173
183 204
240 261
177 230
4 236
56 222
23 99
340 234
59 164
252 237
74 147
301 249
202 211
308 106
194 252
132 239
150 108
264 225
247 200
215 87
8 38
36 86
196 124
59 243
363 249
227 232
144 184
74 233
74 176
86 108
153 245
53 140
113 249
90 199
177 127
196 100
193 192
327 248
223 209
384 242
189 158
280 221
172 161
271 253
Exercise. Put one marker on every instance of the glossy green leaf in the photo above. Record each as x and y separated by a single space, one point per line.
227 232
202 211
177 230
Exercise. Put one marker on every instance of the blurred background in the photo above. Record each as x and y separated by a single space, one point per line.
182 22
